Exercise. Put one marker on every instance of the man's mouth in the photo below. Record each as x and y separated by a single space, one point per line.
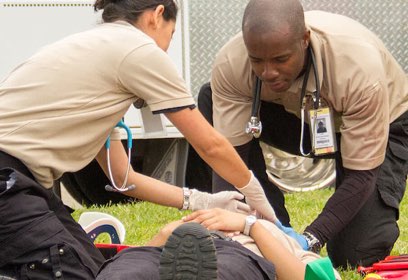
277 85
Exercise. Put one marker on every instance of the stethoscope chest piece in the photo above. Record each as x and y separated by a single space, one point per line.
254 127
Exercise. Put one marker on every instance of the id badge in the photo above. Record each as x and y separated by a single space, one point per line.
322 131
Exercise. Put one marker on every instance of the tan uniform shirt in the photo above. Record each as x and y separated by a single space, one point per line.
58 107
359 80
288 242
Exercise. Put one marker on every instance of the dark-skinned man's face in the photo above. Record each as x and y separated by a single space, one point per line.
277 57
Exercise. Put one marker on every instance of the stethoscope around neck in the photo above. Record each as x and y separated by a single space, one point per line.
254 126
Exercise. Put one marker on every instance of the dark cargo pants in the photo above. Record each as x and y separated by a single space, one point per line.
38 237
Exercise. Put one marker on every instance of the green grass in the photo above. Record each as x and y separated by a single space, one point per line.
143 220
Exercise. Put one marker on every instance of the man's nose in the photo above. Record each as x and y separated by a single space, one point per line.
270 72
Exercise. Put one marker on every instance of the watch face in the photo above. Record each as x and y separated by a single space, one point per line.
251 219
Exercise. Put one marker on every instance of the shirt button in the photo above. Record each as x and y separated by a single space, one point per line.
44 261
58 274
32 266
61 251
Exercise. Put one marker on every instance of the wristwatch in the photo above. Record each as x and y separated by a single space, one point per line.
313 243
249 221
186 198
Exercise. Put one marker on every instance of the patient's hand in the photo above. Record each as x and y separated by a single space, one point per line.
218 219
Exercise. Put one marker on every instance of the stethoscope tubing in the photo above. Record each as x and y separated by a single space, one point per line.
113 187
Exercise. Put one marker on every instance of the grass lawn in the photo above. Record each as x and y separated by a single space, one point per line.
143 220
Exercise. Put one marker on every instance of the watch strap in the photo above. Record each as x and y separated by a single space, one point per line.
312 242
186 198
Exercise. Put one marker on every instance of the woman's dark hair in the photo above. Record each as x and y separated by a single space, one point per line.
130 10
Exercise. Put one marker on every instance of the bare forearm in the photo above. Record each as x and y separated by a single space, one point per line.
150 189
225 161
211 146
287 266
146 188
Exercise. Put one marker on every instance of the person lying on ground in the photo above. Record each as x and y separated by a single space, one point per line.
219 244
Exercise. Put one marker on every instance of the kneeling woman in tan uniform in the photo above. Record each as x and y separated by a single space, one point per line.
57 110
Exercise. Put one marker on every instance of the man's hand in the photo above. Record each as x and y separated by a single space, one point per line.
229 200
255 197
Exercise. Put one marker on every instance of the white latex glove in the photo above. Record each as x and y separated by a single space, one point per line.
228 200
255 197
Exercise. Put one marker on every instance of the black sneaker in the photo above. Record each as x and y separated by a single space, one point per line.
189 253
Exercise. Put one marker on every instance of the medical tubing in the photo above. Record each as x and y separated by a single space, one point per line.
302 129
306 79
129 146
128 133
303 101
257 97
317 82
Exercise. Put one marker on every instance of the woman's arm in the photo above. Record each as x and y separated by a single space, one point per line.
211 146
215 150
218 152
146 188
150 189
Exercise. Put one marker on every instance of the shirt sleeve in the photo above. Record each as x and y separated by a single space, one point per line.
231 105
364 131
150 74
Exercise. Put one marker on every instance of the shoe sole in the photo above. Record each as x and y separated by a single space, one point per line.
189 253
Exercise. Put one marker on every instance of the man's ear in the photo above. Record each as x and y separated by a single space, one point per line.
306 39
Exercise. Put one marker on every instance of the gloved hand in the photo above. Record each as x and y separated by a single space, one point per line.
292 233
228 200
255 197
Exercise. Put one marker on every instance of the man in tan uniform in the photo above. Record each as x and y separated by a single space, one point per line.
57 110
344 68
